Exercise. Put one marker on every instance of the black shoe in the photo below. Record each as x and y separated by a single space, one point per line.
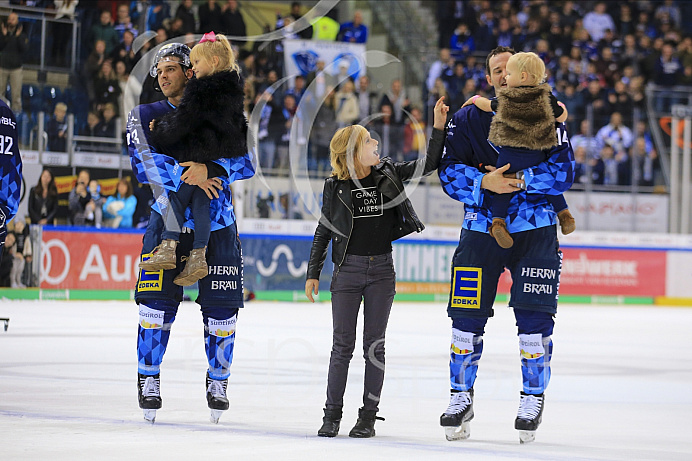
149 391
216 393
365 426
331 422
530 412
460 409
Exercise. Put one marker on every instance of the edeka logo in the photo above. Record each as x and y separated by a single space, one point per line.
149 318
221 328
149 280
466 291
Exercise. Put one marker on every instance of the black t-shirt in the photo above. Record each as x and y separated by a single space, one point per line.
372 220
557 109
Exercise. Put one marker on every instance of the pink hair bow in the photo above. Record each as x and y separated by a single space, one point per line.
208 37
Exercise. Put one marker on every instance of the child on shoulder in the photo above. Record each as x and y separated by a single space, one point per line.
521 132
209 124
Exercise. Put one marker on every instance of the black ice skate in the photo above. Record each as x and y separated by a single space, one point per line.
456 417
529 416
149 394
216 397
331 422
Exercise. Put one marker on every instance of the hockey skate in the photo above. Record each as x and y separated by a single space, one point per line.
529 416
163 257
149 394
216 398
456 417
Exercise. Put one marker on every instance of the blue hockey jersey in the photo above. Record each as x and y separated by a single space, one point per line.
163 173
467 151
10 165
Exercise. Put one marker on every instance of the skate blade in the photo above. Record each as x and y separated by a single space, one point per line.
215 415
462 432
150 415
527 436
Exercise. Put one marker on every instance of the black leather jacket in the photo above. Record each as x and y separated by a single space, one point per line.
336 222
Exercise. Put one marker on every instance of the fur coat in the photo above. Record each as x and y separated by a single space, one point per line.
209 123
524 118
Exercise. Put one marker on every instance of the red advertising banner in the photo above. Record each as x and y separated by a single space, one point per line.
587 271
98 259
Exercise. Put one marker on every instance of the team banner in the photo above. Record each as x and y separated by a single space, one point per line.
301 56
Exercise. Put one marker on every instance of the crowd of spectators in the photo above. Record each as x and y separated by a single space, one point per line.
600 56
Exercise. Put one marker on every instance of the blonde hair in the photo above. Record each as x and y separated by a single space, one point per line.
345 149
531 64
220 48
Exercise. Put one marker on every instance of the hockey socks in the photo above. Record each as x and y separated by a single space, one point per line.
536 352
152 338
465 352
219 340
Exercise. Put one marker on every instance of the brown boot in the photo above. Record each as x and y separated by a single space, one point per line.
499 231
567 223
163 257
195 269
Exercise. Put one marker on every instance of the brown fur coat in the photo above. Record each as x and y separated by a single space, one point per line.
524 118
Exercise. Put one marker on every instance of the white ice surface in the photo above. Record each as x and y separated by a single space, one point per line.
621 386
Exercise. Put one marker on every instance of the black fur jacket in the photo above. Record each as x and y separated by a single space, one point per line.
209 123
524 118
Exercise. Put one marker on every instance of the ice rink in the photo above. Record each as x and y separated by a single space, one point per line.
621 386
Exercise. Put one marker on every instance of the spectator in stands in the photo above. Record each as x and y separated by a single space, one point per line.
125 52
271 128
106 86
346 105
123 76
13 44
158 11
620 101
583 139
107 126
288 114
580 176
366 98
596 96
90 128
22 253
119 208
462 43
93 65
597 21
646 162
295 14
123 22
96 214
322 80
62 32
56 129
437 67
396 97
145 199
616 135
233 22
574 104
7 260
105 31
325 28
186 12
323 129
80 202
43 199
389 134
414 135
210 18
354 31
455 86
437 92
668 72
668 11
298 89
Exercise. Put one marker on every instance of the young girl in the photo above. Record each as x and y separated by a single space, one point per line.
208 125
523 127
364 209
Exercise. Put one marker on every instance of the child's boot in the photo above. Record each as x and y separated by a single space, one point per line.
163 257
499 231
567 223
195 269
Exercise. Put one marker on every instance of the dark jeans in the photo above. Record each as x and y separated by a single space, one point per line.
372 279
196 198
